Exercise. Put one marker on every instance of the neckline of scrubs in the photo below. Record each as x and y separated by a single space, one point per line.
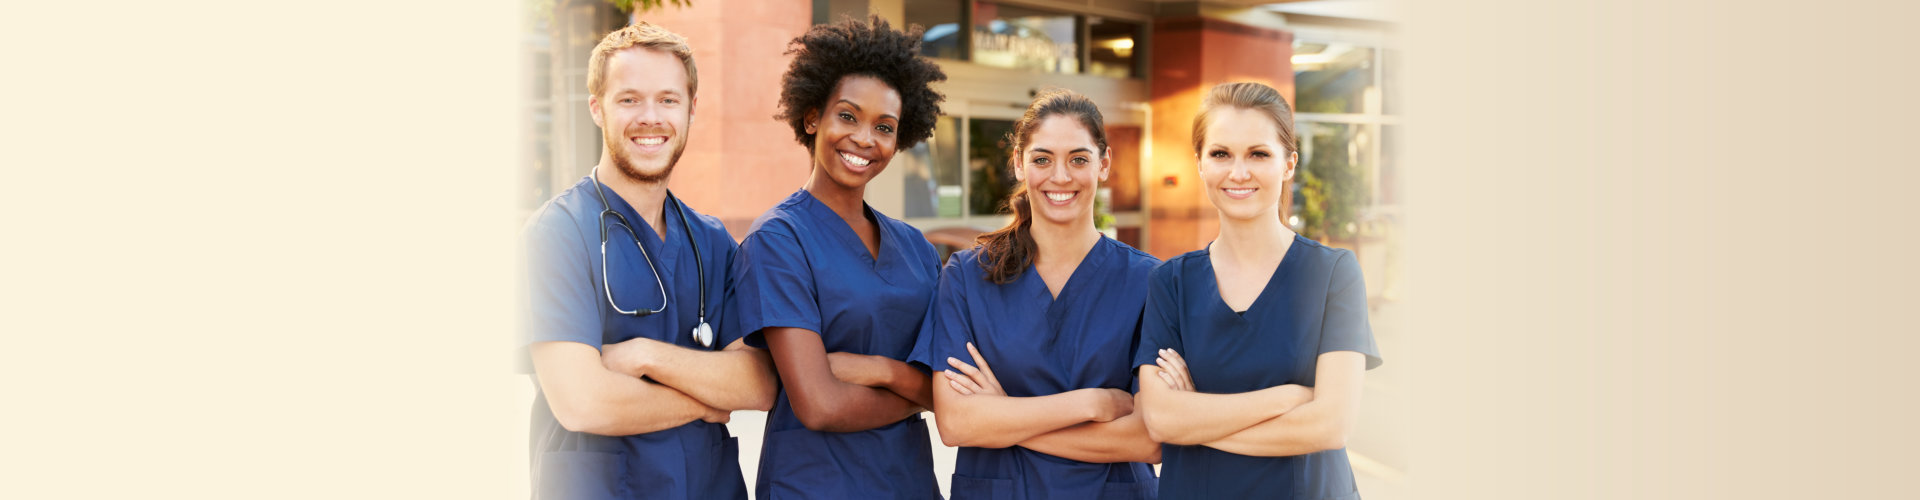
666 254
844 232
1091 261
1056 307
1279 274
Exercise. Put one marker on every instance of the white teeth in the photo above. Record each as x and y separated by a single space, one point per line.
855 160
651 141
1059 196
1239 191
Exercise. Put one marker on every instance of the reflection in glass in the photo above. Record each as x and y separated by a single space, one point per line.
933 173
1389 165
1333 77
1389 81
942 20
988 152
1332 186
1111 46
1010 36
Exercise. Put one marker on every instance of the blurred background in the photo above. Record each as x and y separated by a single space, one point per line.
1653 249
1145 63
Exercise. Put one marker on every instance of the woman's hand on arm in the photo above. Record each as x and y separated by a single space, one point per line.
1176 414
821 401
1121 440
587 397
1321 424
737 378
975 411
882 372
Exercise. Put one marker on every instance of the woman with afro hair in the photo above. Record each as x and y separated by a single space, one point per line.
836 291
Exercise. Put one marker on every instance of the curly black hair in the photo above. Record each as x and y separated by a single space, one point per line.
829 52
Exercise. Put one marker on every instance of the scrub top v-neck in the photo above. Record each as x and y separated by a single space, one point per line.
801 266
567 302
1038 345
1315 302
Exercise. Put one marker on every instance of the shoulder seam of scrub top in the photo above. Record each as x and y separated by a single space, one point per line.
777 224
779 212
959 263
710 222
785 231
1136 253
542 219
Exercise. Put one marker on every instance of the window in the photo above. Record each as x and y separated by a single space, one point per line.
1346 186
563 142
1020 37
933 173
942 19
1111 46
1334 78
988 150
1017 37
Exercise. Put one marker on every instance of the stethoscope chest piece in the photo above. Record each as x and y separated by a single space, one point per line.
703 334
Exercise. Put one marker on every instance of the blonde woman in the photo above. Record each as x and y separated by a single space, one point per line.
1253 349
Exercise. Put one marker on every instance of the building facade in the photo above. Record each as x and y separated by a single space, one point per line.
1147 64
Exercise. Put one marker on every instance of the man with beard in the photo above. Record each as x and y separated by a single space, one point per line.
624 290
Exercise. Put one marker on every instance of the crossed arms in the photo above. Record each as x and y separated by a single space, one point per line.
1089 425
1277 421
644 385
844 392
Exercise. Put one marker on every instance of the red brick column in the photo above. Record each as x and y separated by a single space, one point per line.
1190 56
739 161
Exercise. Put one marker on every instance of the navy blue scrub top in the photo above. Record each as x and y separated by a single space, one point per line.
567 303
801 266
1039 345
1315 303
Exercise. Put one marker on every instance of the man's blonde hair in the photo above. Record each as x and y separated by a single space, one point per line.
644 35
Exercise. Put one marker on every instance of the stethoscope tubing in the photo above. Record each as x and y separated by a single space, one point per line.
701 333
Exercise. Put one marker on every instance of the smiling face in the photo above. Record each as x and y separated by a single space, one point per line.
1062 167
856 132
1244 165
645 112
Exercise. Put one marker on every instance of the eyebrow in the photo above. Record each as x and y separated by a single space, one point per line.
1081 149
630 90
856 107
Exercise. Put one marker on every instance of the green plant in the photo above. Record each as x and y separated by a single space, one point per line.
1333 187
628 6
1102 213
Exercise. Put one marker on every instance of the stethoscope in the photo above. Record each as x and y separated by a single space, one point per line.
702 333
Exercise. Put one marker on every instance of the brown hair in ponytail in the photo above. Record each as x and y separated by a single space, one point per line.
1006 252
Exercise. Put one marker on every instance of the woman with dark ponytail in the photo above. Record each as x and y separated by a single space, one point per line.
1036 326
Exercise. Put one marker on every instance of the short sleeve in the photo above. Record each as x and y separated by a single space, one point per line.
773 287
561 294
1345 327
1160 322
948 328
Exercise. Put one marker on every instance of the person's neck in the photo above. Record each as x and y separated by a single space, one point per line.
648 198
848 203
1064 244
1253 243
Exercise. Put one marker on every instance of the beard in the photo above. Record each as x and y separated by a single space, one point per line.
616 147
